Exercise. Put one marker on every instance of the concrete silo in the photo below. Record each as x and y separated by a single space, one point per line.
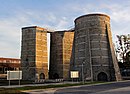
94 53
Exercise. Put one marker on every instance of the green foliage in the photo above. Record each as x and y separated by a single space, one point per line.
123 46
128 57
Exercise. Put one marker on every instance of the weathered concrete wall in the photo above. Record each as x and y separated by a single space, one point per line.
67 53
61 53
34 58
56 55
93 45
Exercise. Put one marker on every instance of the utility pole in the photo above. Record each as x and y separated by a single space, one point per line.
83 72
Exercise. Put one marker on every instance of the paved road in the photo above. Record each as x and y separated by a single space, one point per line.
113 88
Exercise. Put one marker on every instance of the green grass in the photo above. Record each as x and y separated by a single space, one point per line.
19 90
10 91
14 82
55 86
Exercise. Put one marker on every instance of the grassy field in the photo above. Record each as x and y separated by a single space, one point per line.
18 90
14 82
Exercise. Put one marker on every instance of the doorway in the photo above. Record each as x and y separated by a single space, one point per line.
102 76
42 76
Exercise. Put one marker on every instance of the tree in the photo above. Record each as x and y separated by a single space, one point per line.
128 57
123 47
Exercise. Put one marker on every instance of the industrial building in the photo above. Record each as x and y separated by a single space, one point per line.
7 64
87 49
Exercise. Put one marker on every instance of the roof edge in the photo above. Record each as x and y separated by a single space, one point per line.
33 27
92 15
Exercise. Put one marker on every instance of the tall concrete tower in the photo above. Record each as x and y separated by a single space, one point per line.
34 57
94 49
61 54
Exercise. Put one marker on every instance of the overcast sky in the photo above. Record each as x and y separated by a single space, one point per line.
55 15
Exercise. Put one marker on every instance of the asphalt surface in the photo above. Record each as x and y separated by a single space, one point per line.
111 88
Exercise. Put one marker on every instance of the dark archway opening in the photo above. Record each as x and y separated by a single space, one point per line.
102 76
56 76
42 76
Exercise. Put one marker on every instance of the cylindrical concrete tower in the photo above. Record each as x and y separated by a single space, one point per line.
94 54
